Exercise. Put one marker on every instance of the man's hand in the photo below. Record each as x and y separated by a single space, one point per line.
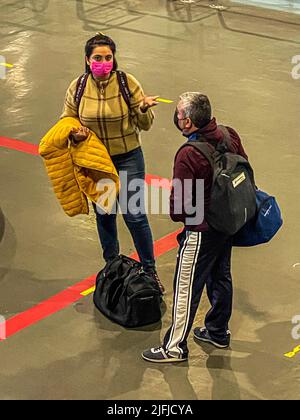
148 102
79 134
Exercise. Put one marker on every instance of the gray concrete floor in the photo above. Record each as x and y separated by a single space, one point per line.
242 59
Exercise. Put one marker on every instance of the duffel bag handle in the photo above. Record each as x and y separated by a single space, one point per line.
120 289
116 290
114 294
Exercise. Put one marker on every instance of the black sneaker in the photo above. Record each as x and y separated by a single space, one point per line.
158 355
201 334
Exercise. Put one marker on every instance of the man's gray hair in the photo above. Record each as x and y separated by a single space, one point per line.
196 106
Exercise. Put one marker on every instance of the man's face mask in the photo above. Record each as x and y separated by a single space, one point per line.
176 122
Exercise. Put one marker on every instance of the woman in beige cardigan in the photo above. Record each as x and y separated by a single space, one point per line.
104 109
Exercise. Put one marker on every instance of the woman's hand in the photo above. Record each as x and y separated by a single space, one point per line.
148 102
79 134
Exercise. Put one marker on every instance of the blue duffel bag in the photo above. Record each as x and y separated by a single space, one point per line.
264 226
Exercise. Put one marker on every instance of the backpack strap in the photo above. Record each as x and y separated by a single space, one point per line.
123 83
80 87
227 138
203 147
211 149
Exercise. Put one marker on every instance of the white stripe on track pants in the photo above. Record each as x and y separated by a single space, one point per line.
204 258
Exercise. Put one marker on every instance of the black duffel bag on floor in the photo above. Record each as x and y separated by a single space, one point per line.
126 294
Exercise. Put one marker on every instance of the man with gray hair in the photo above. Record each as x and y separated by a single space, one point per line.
204 257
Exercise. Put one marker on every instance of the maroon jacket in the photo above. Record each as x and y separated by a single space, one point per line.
191 164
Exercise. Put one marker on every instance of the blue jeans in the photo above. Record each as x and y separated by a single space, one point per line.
133 165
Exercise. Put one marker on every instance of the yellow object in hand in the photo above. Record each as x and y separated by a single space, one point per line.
6 65
165 101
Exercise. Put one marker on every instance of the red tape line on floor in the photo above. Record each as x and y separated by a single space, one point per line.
21 146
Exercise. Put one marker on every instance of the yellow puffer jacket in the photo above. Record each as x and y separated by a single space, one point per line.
80 172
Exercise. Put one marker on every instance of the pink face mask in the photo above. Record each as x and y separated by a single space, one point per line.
101 69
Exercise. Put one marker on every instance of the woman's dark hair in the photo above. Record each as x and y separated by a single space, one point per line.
98 40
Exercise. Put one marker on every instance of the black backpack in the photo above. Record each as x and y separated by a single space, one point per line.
233 196
126 294
123 83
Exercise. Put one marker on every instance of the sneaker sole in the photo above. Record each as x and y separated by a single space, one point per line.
205 340
173 360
